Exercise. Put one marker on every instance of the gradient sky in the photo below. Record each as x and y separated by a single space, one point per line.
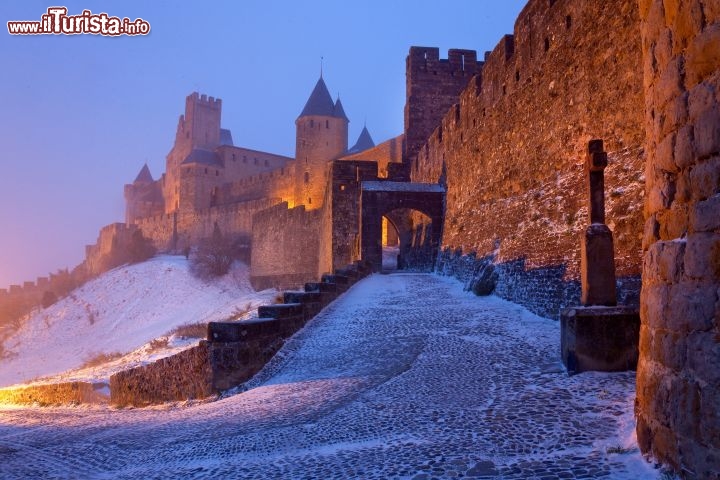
81 114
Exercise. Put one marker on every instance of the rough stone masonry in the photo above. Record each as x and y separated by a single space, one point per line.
678 379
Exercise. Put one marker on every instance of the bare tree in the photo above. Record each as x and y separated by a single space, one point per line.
213 257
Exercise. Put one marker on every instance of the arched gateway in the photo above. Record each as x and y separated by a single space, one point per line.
380 198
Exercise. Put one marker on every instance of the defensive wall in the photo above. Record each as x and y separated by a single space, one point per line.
285 246
275 183
513 147
175 232
678 379
389 151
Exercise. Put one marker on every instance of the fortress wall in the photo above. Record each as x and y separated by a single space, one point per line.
275 183
244 162
432 86
285 246
678 379
159 229
513 148
234 220
390 151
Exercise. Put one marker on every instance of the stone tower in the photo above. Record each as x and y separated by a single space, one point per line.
143 197
198 129
433 85
322 136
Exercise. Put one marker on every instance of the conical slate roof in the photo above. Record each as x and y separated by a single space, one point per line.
364 142
320 102
339 111
144 176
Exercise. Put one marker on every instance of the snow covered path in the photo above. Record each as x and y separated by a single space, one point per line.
406 376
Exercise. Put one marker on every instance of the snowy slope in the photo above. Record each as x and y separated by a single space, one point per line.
119 313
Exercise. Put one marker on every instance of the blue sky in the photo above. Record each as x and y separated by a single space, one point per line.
81 114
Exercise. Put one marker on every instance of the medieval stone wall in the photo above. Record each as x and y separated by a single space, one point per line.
514 145
243 162
278 183
285 246
678 381
189 228
432 86
390 151
187 374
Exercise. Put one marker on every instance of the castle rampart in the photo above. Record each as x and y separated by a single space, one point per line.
286 246
678 378
389 151
513 146
432 86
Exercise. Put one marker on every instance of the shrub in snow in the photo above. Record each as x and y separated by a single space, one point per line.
213 257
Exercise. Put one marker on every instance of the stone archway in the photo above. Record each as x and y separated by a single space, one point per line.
380 198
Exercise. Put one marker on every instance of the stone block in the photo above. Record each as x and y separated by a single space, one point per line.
683 189
702 56
702 256
670 261
597 267
673 221
302 297
223 332
651 231
669 86
707 133
669 349
599 338
704 356
710 417
705 215
664 155
653 305
684 147
687 24
701 99
691 307
323 287
280 310
705 178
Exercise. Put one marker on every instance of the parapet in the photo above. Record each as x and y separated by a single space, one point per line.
203 99
428 59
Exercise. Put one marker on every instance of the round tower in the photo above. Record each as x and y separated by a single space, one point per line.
322 136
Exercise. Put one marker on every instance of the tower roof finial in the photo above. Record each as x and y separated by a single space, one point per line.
321 66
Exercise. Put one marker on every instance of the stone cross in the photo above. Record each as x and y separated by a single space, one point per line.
595 164
597 256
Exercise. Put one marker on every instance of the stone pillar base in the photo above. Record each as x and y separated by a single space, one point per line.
603 339
597 266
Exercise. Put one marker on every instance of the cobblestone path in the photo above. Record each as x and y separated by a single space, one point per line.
406 376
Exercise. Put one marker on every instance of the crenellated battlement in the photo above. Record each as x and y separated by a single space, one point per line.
432 86
205 100
427 59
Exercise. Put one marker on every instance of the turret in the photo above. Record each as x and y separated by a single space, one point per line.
198 128
363 143
142 197
322 132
